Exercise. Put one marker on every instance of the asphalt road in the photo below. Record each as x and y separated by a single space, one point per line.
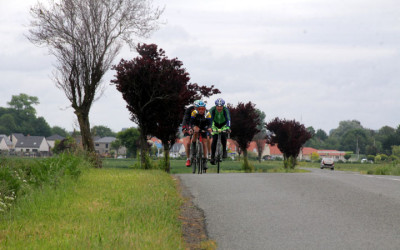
320 210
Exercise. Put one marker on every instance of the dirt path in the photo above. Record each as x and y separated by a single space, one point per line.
193 222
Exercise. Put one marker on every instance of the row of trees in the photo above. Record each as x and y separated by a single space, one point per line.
20 117
352 136
85 36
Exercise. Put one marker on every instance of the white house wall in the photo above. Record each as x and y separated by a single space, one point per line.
44 146
3 144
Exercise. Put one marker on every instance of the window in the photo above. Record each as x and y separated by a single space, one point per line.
106 145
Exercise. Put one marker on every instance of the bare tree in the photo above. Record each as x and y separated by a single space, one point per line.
85 36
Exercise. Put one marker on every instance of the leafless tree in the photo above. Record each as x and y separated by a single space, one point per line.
85 36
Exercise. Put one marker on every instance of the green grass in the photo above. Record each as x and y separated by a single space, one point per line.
104 209
383 168
178 166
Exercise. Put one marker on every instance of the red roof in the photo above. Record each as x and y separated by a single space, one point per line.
308 151
274 150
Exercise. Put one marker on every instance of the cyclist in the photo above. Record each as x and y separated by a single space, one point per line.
200 120
221 120
187 131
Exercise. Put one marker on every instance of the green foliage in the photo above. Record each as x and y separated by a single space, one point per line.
147 164
314 156
347 156
20 117
102 131
396 151
19 177
104 209
68 144
56 130
130 139
246 166
370 157
290 162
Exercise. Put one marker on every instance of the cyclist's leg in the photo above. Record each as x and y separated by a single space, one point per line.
186 143
193 147
208 144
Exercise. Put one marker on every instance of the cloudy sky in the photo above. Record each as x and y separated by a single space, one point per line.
316 61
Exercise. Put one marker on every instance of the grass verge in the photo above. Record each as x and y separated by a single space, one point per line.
105 208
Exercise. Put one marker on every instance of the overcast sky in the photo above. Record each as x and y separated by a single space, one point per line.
316 61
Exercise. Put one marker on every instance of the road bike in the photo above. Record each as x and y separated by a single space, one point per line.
218 151
198 162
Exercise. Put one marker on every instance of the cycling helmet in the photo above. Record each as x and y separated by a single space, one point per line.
200 104
219 102
196 103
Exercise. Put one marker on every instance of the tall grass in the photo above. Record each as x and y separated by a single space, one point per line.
19 177
104 209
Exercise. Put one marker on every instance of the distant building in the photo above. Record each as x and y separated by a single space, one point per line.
31 145
102 146
5 143
52 139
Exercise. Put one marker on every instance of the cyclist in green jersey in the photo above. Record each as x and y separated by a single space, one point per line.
221 120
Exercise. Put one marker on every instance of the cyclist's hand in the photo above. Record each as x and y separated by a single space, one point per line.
209 130
196 129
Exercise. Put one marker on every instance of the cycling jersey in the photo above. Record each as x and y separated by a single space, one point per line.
202 121
220 120
186 117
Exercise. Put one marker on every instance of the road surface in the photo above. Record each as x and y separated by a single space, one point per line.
320 210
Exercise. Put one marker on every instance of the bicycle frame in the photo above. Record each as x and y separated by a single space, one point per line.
218 151
198 159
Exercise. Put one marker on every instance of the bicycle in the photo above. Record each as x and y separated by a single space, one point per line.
197 161
218 151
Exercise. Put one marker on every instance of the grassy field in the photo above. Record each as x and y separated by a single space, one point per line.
105 209
178 166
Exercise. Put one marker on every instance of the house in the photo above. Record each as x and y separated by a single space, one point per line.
103 146
323 153
273 151
31 145
52 139
306 152
14 138
333 154
5 143
177 150
253 148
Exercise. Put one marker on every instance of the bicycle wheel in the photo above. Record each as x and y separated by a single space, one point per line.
194 165
218 157
199 157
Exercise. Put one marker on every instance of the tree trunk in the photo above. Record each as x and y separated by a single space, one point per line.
167 166
246 166
87 140
144 152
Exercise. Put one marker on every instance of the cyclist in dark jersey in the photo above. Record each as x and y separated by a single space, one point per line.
221 120
200 121
187 131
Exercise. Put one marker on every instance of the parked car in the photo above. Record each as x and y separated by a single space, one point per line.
327 163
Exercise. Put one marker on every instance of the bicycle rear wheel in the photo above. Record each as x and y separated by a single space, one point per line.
199 156
218 157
